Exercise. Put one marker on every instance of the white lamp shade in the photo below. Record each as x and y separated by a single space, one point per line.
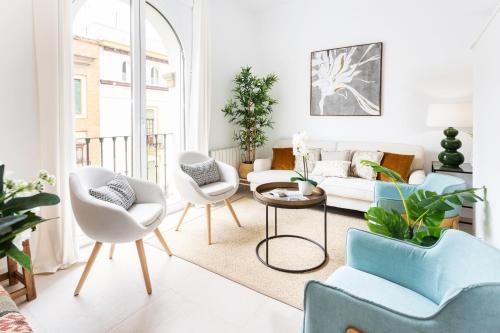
449 115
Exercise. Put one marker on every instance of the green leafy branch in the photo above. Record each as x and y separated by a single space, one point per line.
424 211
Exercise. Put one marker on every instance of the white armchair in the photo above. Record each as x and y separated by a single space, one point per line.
105 222
206 195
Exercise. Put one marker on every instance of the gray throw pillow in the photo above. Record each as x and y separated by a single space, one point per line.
203 173
117 191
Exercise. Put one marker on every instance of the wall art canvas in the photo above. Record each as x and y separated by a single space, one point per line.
347 81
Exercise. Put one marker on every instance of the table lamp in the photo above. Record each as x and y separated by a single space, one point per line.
450 116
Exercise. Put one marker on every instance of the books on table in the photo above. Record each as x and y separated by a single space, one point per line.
286 194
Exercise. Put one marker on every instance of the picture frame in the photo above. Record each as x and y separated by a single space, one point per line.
347 81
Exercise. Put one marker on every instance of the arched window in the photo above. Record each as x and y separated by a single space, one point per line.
115 48
155 76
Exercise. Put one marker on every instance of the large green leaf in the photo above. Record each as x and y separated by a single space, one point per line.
386 171
7 223
19 256
443 201
432 217
29 222
387 223
428 236
26 203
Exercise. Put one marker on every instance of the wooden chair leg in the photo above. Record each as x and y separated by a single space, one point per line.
353 330
144 265
209 223
29 279
231 210
111 251
88 266
188 205
162 241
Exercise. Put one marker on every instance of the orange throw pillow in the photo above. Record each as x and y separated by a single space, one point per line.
283 159
397 162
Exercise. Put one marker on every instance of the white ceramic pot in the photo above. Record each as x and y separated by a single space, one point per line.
305 187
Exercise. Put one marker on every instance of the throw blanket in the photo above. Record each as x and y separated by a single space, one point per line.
11 320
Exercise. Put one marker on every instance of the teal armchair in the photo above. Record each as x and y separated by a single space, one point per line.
389 285
386 195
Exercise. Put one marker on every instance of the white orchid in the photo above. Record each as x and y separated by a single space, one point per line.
17 186
335 72
299 144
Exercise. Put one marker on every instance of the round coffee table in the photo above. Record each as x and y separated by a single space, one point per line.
317 198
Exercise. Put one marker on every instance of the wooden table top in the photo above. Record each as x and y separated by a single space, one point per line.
317 197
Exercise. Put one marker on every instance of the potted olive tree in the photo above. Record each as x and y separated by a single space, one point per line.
250 110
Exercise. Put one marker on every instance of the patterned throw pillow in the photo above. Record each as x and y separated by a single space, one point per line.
314 156
362 171
117 191
342 155
332 169
203 173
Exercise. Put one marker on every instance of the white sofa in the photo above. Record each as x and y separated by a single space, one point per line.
352 192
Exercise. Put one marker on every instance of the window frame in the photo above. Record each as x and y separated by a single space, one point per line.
83 96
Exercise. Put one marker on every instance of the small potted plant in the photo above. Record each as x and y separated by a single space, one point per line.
18 199
300 150
251 111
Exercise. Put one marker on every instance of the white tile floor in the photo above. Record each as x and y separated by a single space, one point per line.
185 298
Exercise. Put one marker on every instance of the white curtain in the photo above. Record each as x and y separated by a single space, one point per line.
199 106
54 244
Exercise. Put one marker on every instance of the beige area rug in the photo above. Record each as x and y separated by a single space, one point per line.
232 253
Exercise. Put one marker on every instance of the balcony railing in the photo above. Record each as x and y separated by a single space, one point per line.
115 152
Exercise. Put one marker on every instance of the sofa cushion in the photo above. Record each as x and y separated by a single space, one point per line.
332 169
145 213
364 171
383 292
314 156
343 155
216 188
283 159
351 187
270 176
396 162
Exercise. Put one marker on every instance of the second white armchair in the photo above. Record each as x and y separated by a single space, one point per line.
205 195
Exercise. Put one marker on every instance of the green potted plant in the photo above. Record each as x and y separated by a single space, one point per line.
250 111
424 211
18 199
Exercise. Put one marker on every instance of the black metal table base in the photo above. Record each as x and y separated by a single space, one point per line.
266 242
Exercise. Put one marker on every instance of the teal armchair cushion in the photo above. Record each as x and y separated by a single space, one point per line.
386 195
393 286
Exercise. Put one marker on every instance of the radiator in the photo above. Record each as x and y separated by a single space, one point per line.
229 156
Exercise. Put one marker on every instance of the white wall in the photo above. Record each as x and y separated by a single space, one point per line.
18 100
233 46
426 59
486 124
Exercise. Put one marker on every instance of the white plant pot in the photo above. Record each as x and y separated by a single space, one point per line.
305 187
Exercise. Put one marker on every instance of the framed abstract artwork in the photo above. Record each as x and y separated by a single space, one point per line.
347 81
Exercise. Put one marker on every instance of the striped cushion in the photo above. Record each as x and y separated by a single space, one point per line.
203 173
117 191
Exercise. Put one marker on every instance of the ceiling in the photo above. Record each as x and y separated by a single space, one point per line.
475 7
